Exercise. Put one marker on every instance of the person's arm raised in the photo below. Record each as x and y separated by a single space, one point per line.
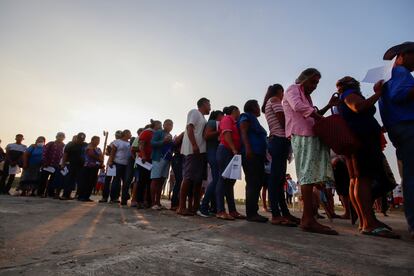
358 104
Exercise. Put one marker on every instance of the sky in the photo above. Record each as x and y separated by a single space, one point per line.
105 65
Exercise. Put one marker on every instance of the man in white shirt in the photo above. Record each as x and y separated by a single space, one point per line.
195 161
120 154
14 157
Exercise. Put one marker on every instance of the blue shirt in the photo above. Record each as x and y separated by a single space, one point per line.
256 134
159 148
36 153
394 105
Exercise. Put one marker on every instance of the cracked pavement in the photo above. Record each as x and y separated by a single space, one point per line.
51 237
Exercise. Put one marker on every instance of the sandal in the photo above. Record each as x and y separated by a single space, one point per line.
283 222
224 216
237 215
381 232
324 231
184 212
292 218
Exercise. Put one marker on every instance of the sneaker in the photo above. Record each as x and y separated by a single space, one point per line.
103 200
156 208
114 201
203 214
257 218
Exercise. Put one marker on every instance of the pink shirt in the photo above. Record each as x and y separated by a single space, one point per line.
275 126
229 124
298 107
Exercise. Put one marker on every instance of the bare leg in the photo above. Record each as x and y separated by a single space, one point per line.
345 203
352 197
264 192
364 201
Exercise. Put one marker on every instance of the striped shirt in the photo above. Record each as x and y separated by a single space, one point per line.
275 126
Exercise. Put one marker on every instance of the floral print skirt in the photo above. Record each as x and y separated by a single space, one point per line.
312 160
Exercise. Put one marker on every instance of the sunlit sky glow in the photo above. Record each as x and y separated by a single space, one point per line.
105 65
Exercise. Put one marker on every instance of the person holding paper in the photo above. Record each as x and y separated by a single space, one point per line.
366 164
278 148
397 112
52 155
120 154
312 159
211 134
254 148
162 146
142 192
131 170
229 147
93 162
14 157
32 160
108 179
195 163
73 159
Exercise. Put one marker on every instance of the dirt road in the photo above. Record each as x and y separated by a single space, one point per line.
52 237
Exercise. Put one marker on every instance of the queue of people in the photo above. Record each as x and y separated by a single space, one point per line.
138 167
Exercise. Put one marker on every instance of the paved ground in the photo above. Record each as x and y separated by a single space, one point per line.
51 237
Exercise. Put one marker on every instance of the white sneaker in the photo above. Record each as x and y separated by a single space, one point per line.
200 214
156 207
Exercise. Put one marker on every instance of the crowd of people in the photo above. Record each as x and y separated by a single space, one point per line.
138 167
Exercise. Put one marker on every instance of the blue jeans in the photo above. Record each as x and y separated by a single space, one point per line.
224 187
210 193
279 150
402 137
116 182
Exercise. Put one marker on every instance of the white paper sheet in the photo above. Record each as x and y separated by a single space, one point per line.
64 171
145 165
49 169
379 73
14 169
111 171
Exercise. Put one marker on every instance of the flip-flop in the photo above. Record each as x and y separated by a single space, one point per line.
324 231
382 232
285 223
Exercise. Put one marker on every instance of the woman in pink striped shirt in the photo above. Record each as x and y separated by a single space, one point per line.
278 147
312 160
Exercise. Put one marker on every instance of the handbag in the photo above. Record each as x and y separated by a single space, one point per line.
336 134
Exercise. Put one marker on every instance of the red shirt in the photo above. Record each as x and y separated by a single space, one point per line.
229 124
146 137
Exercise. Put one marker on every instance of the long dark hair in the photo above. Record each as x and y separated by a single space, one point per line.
272 91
